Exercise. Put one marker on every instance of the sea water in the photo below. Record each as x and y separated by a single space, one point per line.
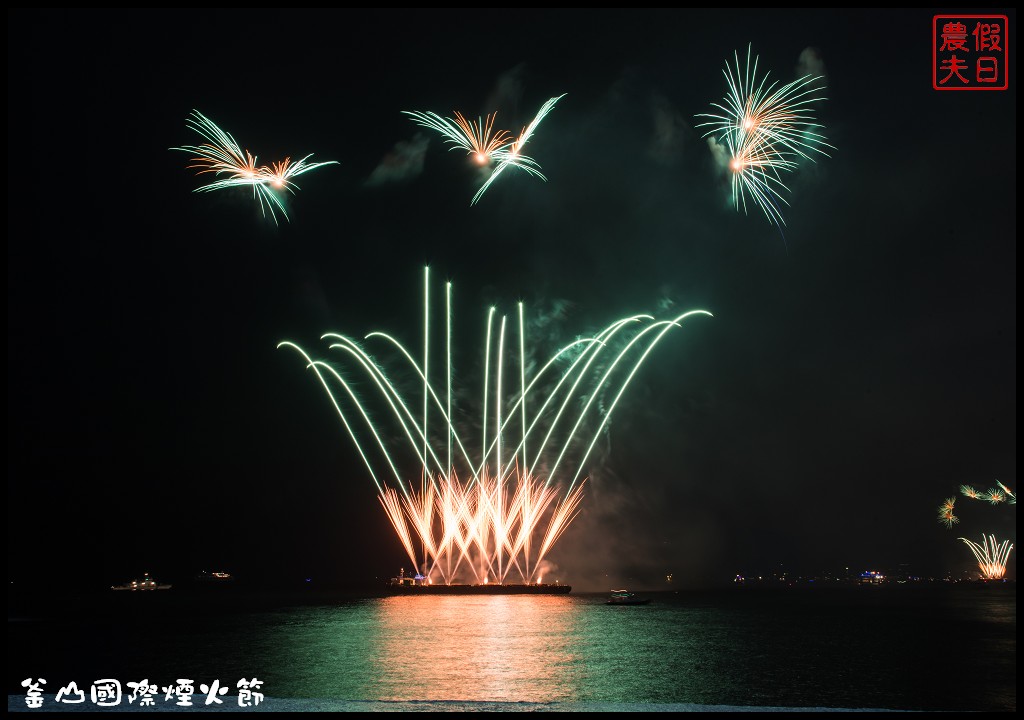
927 646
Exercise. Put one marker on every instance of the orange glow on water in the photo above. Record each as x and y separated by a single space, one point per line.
469 652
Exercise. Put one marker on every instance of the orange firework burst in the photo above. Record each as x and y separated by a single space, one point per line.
480 138
970 492
991 557
234 167
487 527
946 516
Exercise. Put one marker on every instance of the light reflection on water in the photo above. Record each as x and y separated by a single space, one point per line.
924 648
497 648
502 648
843 650
538 649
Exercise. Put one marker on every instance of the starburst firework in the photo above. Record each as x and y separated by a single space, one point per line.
232 167
486 145
946 516
765 129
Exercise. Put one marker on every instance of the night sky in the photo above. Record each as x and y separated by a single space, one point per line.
857 370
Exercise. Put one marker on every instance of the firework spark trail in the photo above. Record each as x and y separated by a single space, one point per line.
512 156
529 504
1011 499
393 508
488 521
666 325
560 519
755 172
221 154
765 128
233 167
992 558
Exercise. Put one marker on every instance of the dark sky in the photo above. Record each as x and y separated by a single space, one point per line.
854 375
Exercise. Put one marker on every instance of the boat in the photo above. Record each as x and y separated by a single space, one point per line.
146 583
479 589
625 597
419 585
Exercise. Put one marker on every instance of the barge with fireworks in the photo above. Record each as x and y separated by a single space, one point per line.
419 585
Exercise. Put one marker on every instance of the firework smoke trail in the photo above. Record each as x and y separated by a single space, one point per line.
765 129
512 156
992 558
233 167
486 521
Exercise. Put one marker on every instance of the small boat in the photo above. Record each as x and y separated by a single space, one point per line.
146 583
625 597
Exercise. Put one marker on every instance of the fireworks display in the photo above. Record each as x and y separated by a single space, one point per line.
493 513
991 557
485 144
232 167
765 129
